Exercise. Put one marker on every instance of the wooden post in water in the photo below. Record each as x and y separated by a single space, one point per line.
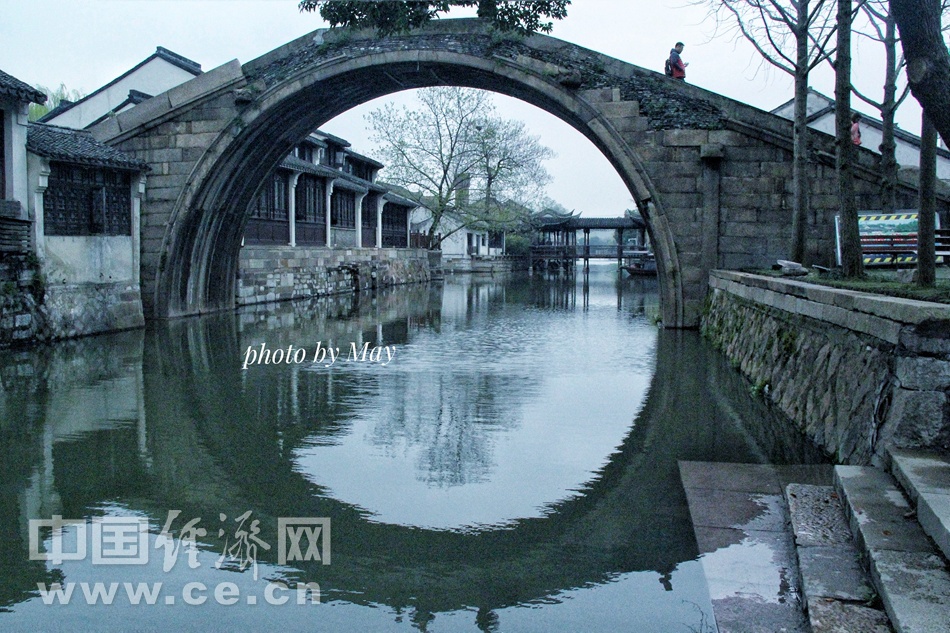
619 248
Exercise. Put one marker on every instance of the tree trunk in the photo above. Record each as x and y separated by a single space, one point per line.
926 261
928 64
888 148
851 259
432 243
800 130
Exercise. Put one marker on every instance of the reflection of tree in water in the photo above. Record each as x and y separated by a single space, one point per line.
451 417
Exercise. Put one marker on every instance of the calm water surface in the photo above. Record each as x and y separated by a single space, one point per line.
512 468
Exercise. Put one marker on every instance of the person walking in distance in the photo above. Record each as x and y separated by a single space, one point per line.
677 65
856 128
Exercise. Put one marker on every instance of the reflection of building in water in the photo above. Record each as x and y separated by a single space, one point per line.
77 407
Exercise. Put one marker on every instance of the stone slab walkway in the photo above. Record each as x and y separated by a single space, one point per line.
742 528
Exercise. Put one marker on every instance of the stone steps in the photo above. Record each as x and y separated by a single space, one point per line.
926 479
835 587
906 569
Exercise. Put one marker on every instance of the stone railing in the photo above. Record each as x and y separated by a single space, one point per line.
858 373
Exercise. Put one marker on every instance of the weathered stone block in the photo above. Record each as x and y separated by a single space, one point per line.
918 419
621 110
225 76
675 138
203 140
922 373
169 154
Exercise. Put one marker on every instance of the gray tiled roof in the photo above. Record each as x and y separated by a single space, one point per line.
297 164
10 86
76 146
395 198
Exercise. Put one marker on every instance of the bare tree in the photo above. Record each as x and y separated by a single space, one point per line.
883 29
455 156
793 36
852 260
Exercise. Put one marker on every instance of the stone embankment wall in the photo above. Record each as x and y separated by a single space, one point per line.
278 273
857 373
18 298
33 309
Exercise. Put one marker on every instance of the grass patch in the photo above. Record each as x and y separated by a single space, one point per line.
878 282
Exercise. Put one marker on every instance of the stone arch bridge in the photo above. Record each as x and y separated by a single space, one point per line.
710 176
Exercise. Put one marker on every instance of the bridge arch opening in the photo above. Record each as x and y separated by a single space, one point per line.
299 88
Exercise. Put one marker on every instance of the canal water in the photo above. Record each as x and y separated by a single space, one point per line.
482 454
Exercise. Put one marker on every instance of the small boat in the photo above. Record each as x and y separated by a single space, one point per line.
641 266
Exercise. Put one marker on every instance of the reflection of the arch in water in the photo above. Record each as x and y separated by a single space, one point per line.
192 436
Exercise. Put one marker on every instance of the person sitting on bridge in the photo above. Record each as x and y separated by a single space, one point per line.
856 128
676 62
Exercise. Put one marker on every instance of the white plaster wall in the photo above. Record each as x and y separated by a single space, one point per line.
153 78
15 119
74 259
907 155
813 104
455 246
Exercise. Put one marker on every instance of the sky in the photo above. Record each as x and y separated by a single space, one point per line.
86 43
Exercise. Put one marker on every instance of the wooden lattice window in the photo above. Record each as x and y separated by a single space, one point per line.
369 212
343 209
304 152
395 227
395 218
272 200
362 170
311 200
87 201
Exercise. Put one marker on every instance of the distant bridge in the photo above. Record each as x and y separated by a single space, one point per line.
559 245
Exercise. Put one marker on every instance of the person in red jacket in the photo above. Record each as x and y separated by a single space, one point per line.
676 62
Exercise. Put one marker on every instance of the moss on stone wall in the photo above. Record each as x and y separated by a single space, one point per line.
825 380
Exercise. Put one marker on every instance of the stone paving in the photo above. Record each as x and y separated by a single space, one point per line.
741 522
926 478
820 557
836 588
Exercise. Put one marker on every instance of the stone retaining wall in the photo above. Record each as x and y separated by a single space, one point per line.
81 309
32 309
856 372
278 273
17 298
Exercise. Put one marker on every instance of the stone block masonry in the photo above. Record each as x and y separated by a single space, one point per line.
279 273
857 373
31 309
